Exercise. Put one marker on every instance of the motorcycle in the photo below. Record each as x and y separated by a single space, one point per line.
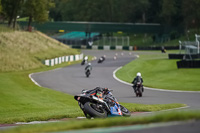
83 62
101 59
93 106
139 89
87 72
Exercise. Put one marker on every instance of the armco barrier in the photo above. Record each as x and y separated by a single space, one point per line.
188 64
59 60
181 56
105 47
113 47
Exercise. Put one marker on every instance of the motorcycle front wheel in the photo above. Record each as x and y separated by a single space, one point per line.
125 111
92 110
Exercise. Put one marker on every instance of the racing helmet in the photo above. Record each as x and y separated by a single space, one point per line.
139 74
105 90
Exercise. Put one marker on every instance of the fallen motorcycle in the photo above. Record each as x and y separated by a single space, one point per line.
93 106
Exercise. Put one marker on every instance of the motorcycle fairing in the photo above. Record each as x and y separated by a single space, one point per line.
115 110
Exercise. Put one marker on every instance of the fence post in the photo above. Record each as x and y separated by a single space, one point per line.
197 40
128 40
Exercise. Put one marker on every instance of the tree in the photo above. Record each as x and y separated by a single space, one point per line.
55 13
168 10
11 9
191 12
153 13
0 7
37 10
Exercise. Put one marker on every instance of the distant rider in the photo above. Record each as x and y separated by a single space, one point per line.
85 60
88 67
138 78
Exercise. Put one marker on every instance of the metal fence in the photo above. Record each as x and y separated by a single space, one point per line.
111 41
99 41
190 47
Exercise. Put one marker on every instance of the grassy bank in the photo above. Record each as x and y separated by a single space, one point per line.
96 123
160 72
25 50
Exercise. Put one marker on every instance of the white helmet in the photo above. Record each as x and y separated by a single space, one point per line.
86 58
89 64
139 74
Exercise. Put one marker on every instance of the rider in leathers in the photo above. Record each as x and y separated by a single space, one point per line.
138 78
98 92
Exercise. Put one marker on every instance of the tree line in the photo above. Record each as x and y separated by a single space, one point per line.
172 13
35 10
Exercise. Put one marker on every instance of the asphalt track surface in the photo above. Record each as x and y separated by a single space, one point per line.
72 80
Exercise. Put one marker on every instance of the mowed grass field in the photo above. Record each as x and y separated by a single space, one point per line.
160 72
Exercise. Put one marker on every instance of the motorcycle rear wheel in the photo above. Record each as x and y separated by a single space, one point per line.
92 110
140 92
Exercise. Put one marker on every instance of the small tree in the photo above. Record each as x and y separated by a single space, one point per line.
191 12
37 10
11 9
0 7
168 10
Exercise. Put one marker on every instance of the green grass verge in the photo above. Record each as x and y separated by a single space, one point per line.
160 72
22 100
95 123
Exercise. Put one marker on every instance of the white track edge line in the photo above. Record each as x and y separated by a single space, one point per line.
114 76
34 80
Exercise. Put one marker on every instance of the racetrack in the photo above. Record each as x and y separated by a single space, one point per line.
72 80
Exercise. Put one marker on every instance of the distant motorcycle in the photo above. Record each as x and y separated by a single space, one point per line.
101 59
93 106
83 62
87 72
139 89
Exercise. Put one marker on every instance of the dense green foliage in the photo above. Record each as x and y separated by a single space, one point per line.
0 6
34 9
174 13
182 14
157 66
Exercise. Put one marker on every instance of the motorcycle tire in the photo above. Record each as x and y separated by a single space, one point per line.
83 63
91 110
125 111
140 92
